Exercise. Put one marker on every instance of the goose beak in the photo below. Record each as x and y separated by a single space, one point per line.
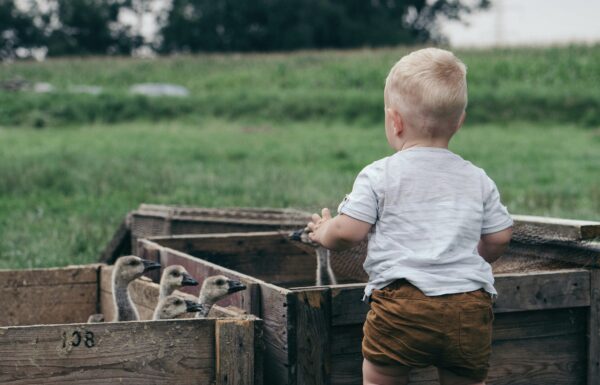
192 307
296 235
188 281
235 286
149 265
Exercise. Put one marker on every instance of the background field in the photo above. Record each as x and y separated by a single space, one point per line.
270 130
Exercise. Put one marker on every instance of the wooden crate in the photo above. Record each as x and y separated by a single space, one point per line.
154 220
546 329
44 338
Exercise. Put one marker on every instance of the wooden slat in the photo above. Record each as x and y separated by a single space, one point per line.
277 309
594 330
566 229
347 306
46 305
559 360
264 217
162 352
313 314
542 290
48 277
235 352
43 296
271 243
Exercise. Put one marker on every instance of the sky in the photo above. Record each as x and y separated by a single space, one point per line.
528 22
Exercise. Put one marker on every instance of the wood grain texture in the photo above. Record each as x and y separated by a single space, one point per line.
235 352
41 296
594 330
271 243
48 277
313 318
347 306
542 290
159 352
277 310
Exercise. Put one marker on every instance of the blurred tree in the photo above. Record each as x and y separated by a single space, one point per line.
17 30
83 27
267 25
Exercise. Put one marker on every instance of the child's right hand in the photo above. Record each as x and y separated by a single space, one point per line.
316 224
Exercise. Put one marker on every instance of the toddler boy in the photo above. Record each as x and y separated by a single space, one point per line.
435 223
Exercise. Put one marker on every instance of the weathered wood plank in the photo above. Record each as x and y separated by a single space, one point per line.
542 290
277 310
43 296
594 330
347 306
48 277
313 314
545 227
555 360
161 352
235 352
268 243
46 305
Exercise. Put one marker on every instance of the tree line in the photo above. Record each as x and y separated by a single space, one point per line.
98 27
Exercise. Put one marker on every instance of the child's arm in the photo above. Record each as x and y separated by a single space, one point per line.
492 246
341 232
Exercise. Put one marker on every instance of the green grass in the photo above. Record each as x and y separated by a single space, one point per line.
64 191
538 85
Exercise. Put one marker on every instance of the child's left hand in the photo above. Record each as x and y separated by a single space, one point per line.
316 225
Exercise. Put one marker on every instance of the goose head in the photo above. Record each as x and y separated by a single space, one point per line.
301 236
218 287
130 267
174 277
173 305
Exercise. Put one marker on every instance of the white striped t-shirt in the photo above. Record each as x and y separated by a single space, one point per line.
429 208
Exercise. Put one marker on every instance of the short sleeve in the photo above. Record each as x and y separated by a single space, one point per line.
495 215
361 203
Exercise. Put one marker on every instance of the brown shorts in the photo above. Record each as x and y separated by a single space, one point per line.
406 327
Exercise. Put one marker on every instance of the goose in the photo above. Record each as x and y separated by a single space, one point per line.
324 271
214 289
174 277
172 305
127 269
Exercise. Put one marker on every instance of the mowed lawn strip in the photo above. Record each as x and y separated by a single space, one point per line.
64 191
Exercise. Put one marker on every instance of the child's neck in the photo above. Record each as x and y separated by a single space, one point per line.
423 142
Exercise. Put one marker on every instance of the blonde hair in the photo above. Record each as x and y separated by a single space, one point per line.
428 88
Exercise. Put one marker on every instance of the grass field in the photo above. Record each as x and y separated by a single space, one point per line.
64 191
551 85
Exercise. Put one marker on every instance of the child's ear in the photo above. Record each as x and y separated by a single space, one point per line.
461 120
397 122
